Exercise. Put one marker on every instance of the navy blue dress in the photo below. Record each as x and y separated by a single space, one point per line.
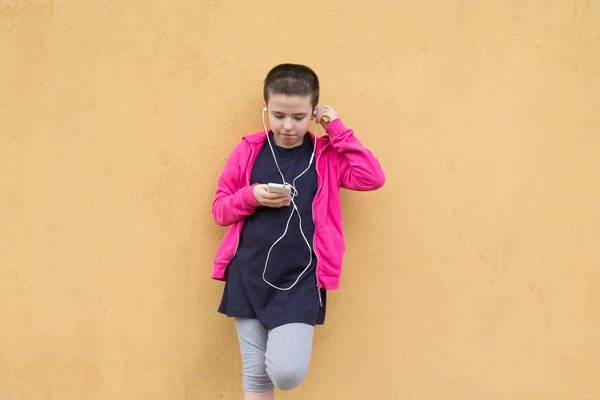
246 294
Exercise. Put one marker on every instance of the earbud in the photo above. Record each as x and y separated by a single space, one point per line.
264 110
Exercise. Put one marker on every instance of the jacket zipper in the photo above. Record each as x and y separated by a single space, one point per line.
315 225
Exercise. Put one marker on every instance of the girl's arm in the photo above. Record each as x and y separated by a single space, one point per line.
359 169
233 202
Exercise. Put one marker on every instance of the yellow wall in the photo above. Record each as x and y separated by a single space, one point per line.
473 274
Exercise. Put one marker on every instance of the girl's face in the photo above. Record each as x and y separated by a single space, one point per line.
289 117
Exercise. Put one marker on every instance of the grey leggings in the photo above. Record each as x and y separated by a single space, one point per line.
273 358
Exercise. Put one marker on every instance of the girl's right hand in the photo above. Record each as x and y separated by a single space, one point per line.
268 199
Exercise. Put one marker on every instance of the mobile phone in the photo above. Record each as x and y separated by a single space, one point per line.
279 188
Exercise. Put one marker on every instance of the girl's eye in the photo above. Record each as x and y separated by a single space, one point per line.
281 117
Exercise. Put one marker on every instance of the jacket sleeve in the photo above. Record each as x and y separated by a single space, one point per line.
359 169
233 199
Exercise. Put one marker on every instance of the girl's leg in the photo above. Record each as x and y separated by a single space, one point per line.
288 354
253 344
259 396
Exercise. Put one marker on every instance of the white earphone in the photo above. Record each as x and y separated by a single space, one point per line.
295 208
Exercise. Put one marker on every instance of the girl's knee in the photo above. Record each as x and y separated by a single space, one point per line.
287 377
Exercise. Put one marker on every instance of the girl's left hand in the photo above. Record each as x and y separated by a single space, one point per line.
325 114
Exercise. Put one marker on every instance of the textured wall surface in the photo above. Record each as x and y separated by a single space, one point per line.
473 274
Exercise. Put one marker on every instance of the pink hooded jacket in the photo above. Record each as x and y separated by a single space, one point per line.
341 162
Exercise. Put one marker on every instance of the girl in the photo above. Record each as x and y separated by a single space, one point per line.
284 247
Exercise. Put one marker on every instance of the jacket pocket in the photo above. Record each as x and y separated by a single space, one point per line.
329 247
227 248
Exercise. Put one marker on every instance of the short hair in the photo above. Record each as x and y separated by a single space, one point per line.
292 80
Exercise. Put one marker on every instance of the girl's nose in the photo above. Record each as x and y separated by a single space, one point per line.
287 125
